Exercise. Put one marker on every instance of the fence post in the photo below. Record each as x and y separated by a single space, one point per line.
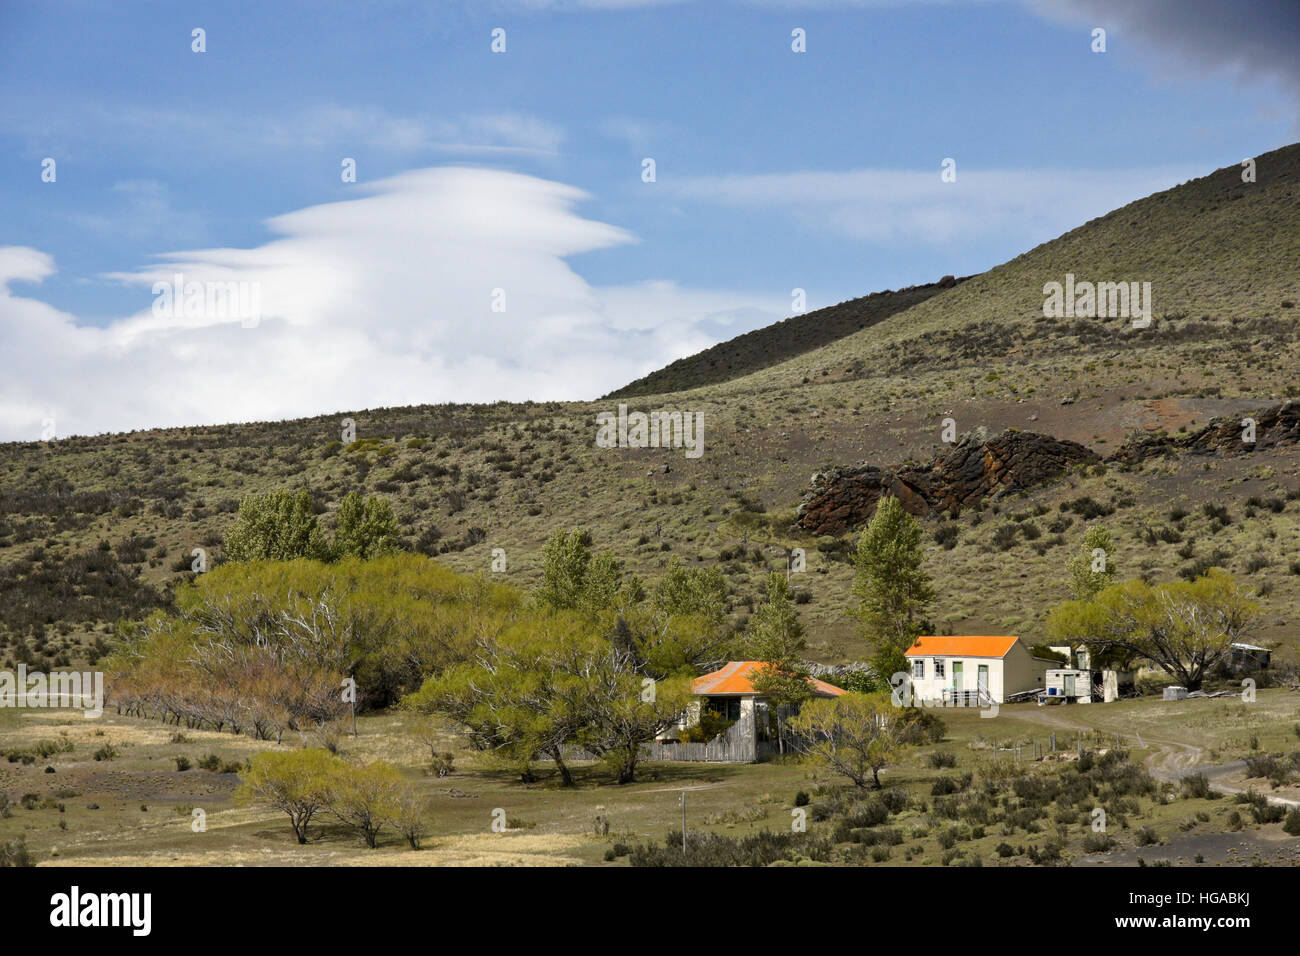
683 822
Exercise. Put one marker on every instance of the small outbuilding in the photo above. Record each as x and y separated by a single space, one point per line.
1069 685
1250 657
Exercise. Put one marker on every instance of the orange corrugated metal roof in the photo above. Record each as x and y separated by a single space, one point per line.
734 678
969 645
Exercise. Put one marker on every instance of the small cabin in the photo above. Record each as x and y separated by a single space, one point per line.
1250 657
729 697
1067 685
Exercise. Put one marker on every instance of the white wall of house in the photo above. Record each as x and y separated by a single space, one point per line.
939 678
1018 671
1069 682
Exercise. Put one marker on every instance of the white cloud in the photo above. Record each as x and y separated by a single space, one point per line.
880 205
223 133
638 134
380 300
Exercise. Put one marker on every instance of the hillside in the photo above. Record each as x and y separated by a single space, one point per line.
780 341
1222 257
95 527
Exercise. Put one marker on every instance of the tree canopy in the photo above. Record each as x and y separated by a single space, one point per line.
853 735
283 526
892 585
265 646
1184 628
1092 569
551 684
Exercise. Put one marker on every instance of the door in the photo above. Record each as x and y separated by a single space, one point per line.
982 679
1068 679
958 685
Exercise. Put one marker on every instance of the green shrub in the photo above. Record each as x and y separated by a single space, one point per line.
711 849
1097 843
1196 786
15 853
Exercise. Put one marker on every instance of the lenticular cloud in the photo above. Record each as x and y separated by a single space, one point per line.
435 285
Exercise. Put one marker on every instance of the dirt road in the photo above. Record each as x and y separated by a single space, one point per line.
1171 761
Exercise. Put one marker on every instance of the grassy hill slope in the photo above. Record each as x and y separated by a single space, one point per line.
775 343
90 527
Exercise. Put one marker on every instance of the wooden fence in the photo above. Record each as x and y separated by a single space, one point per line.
737 745
718 750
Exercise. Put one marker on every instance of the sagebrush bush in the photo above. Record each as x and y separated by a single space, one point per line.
712 849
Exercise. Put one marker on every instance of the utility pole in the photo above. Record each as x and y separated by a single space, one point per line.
683 802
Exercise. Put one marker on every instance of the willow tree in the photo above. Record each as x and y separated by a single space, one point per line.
296 782
1184 628
552 684
853 735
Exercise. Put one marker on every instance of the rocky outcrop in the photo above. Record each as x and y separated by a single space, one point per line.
842 499
1224 437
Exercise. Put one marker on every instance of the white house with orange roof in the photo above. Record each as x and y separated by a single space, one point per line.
973 670
729 693
730 690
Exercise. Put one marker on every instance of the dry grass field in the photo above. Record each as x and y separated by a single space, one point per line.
137 808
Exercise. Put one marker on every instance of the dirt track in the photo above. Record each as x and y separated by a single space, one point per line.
1172 760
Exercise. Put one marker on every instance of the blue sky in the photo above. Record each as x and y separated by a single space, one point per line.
521 171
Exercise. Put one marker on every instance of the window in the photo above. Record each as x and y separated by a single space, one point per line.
918 670
727 708
938 668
